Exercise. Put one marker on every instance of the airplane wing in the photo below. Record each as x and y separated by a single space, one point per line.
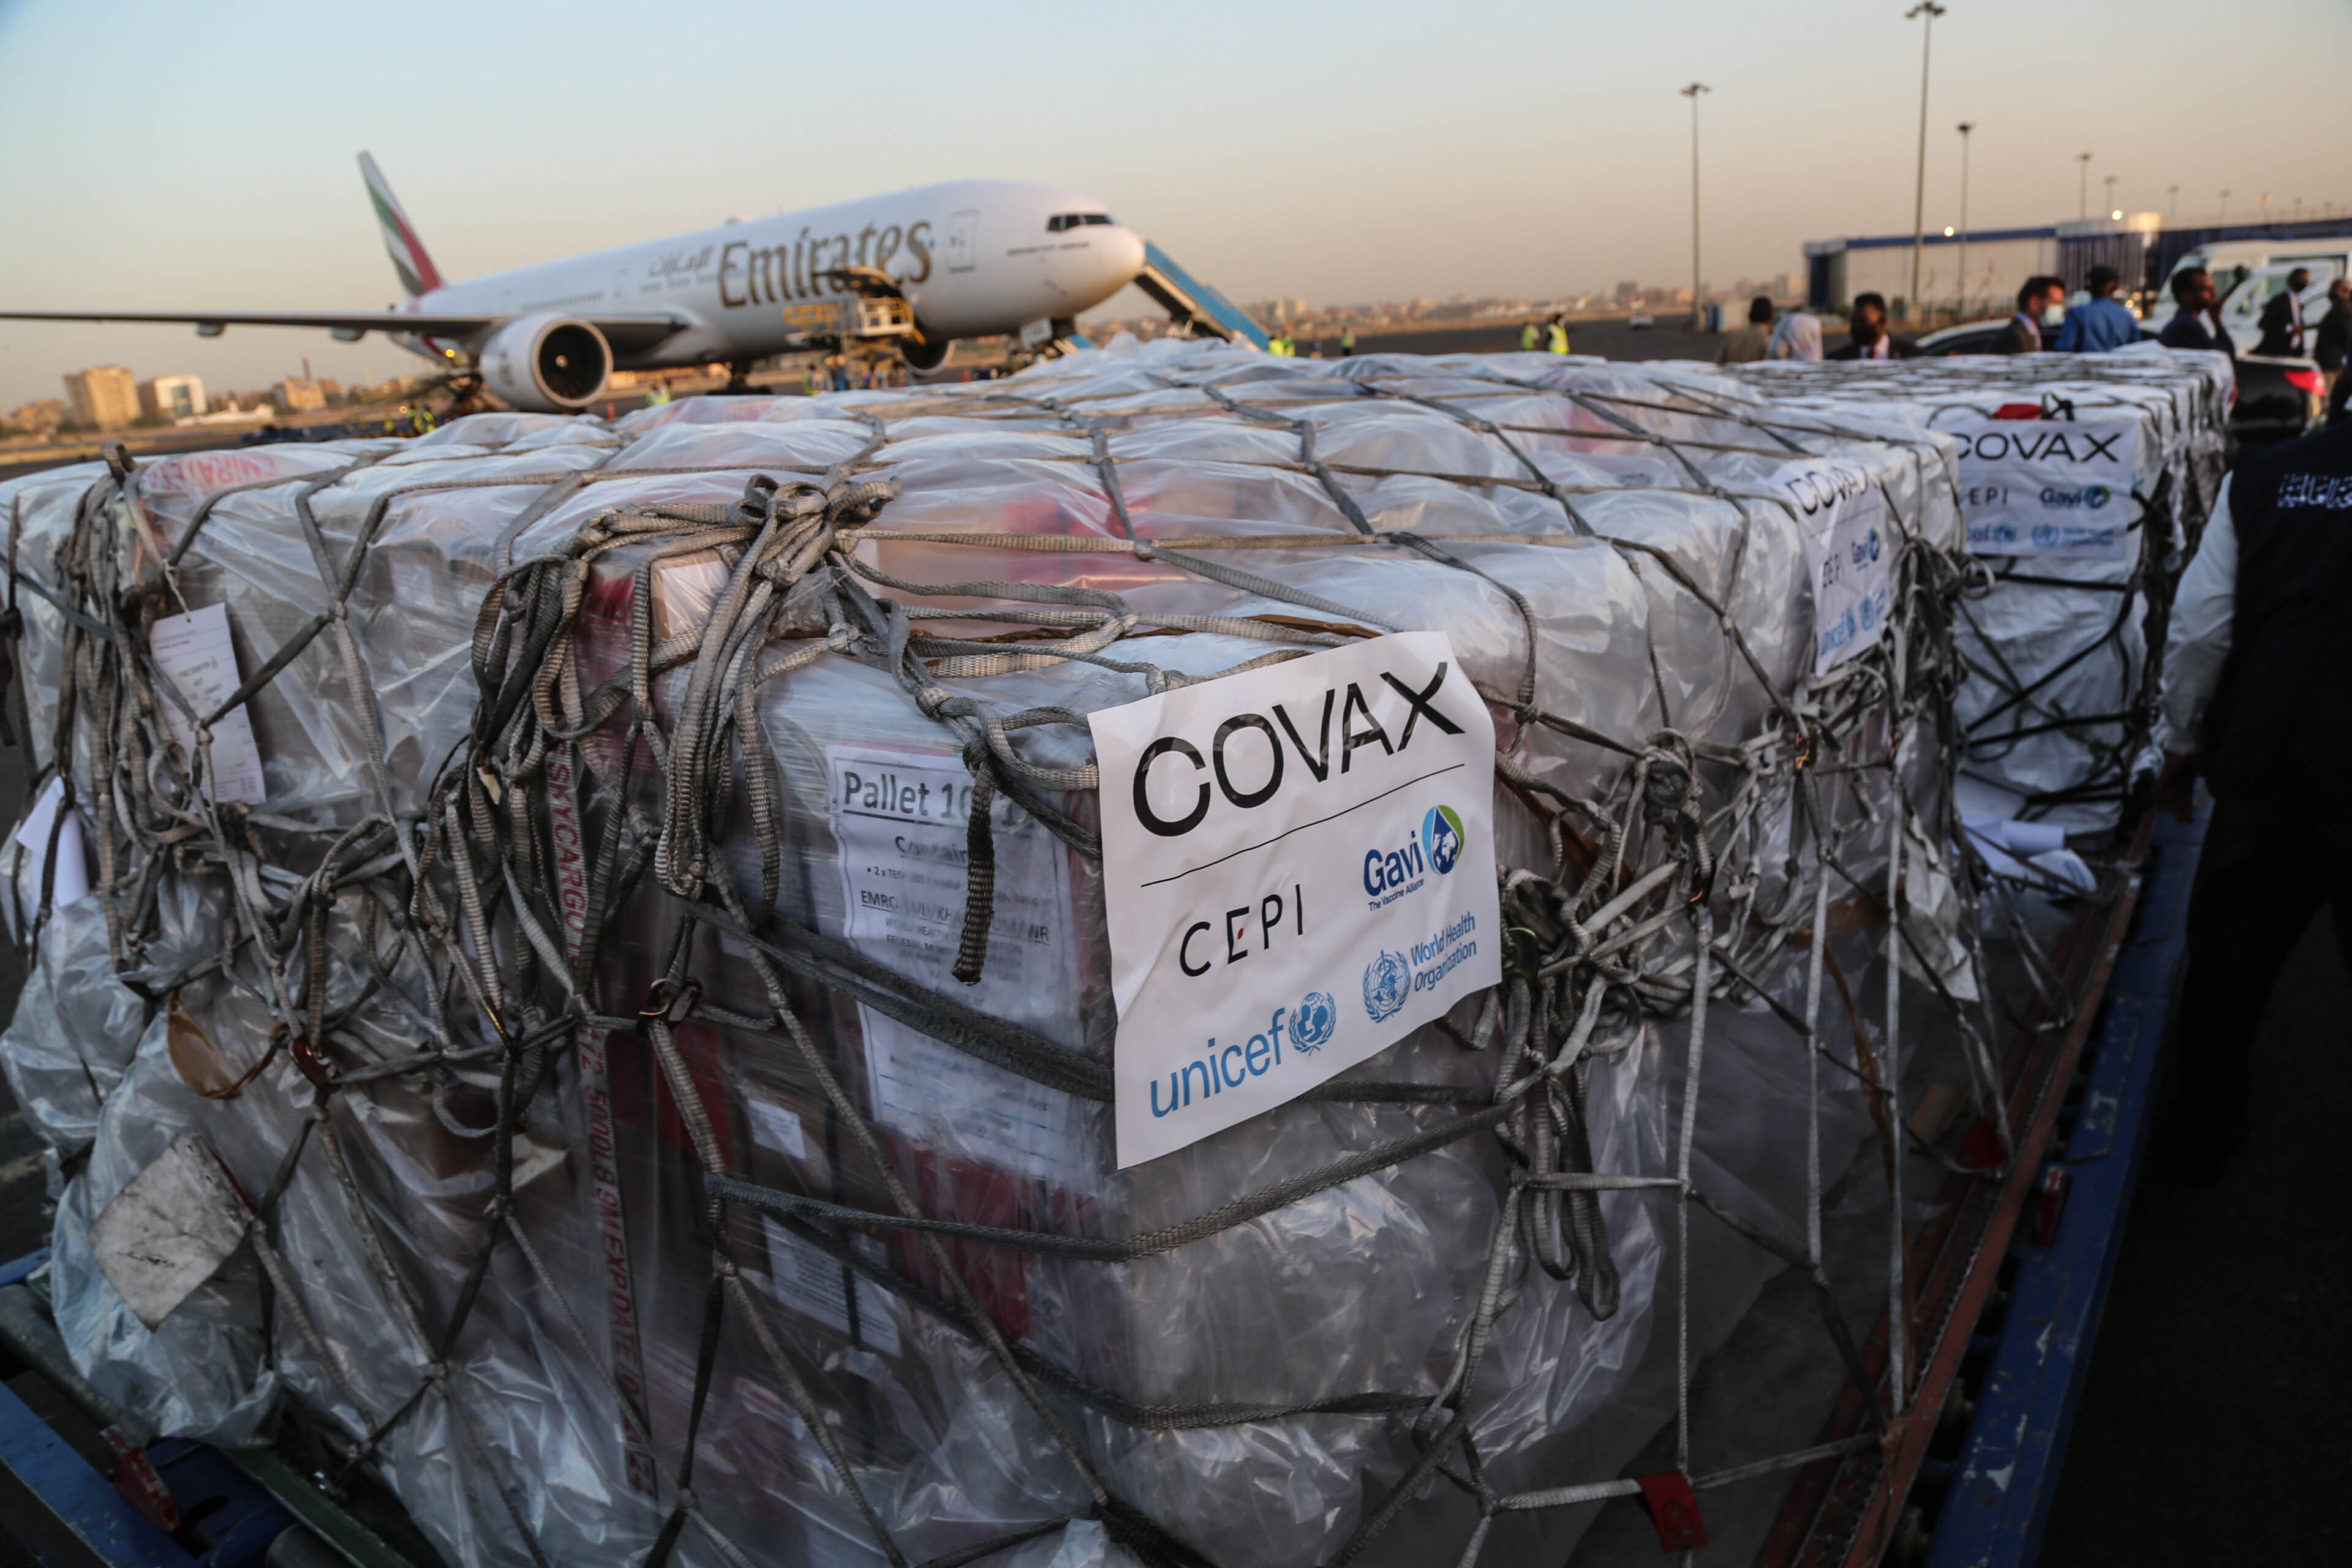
628 335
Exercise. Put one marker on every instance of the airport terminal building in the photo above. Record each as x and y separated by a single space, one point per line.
1980 272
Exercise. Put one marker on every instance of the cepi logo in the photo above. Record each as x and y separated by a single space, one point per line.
1388 982
1441 838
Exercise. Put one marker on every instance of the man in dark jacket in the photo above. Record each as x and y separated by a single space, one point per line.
2255 699
2198 302
1867 329
2040 295
2332 336
2282 317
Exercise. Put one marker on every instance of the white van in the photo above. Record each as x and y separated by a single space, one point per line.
2236 261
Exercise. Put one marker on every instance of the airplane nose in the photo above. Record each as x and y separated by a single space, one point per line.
1122 256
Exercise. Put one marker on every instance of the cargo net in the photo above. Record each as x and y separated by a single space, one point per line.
2063 652
597 1182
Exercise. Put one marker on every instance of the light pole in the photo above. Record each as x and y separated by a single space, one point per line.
1930 10
2109 181
2173 221
1699 306
2082 200
2225 206
1966 126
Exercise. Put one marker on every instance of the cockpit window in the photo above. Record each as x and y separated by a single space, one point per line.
1061 221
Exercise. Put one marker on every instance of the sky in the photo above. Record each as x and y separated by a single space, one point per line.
176 156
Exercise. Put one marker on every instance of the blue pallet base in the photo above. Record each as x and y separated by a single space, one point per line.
2007 1473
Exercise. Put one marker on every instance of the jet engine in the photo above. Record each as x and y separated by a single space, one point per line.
547 363
925 354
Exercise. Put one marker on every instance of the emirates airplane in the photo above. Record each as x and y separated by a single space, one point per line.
911 272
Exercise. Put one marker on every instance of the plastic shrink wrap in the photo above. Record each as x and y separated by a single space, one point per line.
551 1180
2085 480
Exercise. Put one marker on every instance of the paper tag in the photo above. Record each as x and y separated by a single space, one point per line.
816 1286
70 880
946 1099
2049 486
1849 549
900 820
1298 869
774 1126
195 653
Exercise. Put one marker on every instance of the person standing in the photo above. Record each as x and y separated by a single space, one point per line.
1798 337
2198 302
2040 295
1745 345
2251 701
1867 335
2332 336
2102 323
1528 338
1555 334
1347 342
2281 323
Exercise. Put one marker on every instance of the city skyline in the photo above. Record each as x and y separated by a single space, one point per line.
1339 154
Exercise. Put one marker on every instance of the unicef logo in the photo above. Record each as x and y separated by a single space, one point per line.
1441 838
1388 981
1873 543
2096 496
1317 1019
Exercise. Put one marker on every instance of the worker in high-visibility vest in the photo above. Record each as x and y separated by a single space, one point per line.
1556 335
1346 342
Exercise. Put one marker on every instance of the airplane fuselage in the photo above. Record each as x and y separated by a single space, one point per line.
974 257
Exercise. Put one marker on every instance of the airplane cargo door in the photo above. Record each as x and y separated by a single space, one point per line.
962 228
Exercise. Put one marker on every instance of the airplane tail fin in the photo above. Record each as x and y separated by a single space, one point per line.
417 273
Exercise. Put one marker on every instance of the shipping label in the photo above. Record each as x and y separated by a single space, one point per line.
900 820
1298 870
195 653
1841 520
2049 486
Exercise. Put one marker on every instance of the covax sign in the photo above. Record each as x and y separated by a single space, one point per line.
1298 870
2050 487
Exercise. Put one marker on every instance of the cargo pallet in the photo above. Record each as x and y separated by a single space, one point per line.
83 1484
2013 1279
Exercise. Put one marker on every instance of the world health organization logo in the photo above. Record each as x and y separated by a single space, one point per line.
1313 1025
1388 981
1441 838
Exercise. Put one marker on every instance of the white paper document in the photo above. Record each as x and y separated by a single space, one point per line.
1843 522
2048 487
70 880
1298 870
195 651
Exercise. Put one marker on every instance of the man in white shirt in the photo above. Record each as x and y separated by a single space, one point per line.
2257 697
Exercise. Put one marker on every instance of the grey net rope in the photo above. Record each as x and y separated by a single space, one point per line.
1657 902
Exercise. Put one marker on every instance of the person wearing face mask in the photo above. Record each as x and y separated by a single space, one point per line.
2041 296
1870 338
